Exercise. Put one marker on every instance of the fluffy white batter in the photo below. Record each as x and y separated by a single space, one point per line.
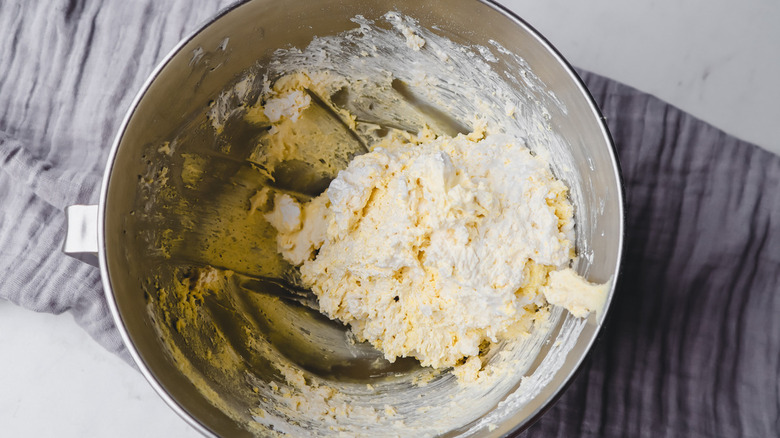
429 247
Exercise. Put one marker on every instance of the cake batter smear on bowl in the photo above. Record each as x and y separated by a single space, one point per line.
386 251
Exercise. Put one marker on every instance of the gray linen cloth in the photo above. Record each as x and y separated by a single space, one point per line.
692 347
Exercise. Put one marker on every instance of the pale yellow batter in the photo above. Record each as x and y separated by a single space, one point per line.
431 246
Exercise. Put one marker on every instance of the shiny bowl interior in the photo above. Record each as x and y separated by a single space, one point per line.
185 85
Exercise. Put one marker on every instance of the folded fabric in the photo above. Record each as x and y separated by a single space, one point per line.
69 73
33 272
692 347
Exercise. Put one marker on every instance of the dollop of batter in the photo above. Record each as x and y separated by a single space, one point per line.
434 246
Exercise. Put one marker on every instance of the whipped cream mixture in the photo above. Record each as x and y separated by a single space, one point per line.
434 246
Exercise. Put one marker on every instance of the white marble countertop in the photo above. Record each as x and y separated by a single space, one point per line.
716 59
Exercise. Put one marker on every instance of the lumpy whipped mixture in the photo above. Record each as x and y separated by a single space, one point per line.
433 246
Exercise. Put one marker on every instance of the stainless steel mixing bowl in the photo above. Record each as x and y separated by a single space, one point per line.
244 36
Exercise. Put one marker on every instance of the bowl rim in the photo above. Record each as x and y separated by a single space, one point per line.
111 162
